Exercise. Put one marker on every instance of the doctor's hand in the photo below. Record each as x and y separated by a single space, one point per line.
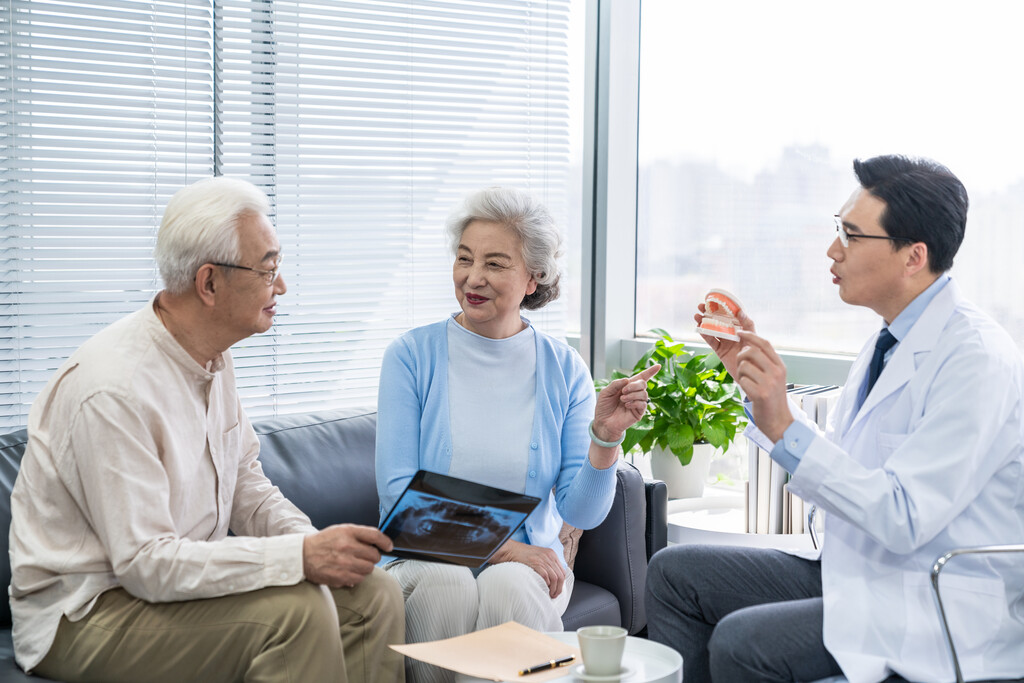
544 561
762 376
342 555
725 349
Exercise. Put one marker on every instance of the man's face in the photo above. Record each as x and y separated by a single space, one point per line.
248 304
868 271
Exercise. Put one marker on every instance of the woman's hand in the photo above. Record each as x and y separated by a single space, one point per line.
621 404
544 561
726 349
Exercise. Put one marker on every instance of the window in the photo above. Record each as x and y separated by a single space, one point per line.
105 113
364 122
747 136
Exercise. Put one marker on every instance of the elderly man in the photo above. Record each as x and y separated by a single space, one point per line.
923 453
140 460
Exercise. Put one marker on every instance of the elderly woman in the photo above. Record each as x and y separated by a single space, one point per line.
484 396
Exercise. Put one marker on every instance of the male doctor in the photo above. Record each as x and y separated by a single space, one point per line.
923 454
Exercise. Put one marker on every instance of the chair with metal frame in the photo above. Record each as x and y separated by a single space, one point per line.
937 568
812 514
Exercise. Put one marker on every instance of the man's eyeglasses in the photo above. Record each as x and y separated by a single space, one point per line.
845 237
269 276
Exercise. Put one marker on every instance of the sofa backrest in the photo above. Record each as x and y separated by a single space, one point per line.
324 463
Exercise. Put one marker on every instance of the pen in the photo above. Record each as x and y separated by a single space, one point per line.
550 664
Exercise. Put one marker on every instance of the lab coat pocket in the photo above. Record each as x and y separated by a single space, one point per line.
975 608
885 444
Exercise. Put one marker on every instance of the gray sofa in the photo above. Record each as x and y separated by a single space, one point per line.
323 462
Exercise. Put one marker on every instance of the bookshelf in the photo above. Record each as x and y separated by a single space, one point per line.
719 518
770 507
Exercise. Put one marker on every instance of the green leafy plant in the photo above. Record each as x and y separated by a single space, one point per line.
692 400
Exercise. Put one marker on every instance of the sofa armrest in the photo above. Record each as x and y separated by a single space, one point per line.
614 554
657 515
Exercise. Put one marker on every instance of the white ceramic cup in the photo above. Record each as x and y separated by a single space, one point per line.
602 647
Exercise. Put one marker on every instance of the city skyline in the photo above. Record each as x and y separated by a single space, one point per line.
765 240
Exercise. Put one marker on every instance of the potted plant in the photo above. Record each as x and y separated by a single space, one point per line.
694 404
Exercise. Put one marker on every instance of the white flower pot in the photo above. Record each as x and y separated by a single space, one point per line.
683 482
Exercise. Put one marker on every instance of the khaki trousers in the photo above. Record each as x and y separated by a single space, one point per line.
280 634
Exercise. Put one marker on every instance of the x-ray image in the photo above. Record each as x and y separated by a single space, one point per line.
446 519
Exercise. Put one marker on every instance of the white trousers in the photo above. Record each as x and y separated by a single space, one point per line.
443 601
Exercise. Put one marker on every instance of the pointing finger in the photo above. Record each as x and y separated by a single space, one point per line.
646 373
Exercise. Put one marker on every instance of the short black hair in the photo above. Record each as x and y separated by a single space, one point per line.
924 202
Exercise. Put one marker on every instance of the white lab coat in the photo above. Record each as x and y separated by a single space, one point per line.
932 461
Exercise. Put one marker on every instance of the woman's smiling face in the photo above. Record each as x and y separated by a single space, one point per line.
491 279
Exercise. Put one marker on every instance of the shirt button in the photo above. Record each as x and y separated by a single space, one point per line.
792 444
284 575
533 445
533 474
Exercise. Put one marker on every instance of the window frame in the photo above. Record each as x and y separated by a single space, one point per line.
609 339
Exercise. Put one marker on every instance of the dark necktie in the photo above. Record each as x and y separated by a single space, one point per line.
882 344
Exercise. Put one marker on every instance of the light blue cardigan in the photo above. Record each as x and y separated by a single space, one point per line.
414 431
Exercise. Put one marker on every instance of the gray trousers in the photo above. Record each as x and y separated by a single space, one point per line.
739 614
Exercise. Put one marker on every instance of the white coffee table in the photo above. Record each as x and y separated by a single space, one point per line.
645 661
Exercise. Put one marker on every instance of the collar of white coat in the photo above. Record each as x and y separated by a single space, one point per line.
908 356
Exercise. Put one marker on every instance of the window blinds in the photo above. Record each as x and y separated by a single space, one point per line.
365 122
106 111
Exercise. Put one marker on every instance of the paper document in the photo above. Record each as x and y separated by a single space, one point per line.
498 653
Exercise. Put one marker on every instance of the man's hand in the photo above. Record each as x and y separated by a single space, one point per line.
544 561
342 555
725 349
762 376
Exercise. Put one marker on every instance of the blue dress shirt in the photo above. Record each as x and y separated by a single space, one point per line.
797 438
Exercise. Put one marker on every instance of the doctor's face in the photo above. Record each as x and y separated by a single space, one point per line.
868 270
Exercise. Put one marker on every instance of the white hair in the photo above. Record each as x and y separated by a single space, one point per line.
200 225
532 224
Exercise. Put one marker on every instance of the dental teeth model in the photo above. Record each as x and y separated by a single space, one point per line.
721 315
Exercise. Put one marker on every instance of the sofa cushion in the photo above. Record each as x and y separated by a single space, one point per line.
9 670
590 605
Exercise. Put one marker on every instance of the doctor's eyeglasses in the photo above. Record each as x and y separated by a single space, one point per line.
845 237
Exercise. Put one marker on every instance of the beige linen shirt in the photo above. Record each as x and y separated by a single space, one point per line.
138 462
